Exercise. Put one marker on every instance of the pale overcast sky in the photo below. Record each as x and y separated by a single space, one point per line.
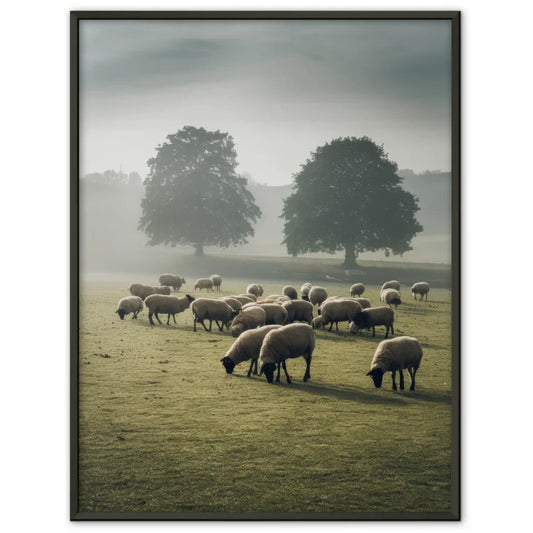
280 88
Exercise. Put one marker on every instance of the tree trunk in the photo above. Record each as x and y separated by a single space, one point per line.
199 250
350 256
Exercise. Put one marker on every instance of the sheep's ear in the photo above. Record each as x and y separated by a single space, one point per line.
368 373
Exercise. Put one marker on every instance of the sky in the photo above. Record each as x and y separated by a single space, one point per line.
279 88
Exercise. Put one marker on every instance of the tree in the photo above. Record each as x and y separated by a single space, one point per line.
194 195
348 196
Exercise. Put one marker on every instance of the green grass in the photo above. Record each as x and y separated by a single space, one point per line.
164 429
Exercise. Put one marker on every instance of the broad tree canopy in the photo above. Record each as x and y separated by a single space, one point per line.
348 196
194 195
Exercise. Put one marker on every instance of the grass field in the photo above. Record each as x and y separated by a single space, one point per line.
164 428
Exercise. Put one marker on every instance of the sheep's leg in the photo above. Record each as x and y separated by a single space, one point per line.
412 374
279 370
394 387
286 373
174 317
219 326
337 326
157 316
330 326
150 314
373 331
401 379
168 319
307 374
210 325
255 367
250 369
392 329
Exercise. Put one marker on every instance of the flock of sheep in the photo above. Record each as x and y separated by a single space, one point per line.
271 329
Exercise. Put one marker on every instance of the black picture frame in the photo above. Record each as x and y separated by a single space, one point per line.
455 18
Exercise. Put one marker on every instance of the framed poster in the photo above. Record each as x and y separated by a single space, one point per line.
265 265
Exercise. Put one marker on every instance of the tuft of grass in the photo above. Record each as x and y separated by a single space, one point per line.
163 428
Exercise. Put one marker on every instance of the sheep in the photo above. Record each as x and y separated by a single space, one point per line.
290 341
260 289
365 304
391 297
422 288
357 289
391 285
204 283
254 289
143 291
396 354
217 281
129 304
304 291
206 309
246 347
243 299
250 318
291 292
232 302
299 310
275 313
159 303
372 317
336 311
277 297
317 294
170 280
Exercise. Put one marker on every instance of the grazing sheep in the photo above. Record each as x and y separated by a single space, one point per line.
204 284
422 288
243 299
250 318
246 347
250 296
261 291
232 302
335 311
254 289
318 322
290 341
372 317
304 291
275 313
291 292
212 310
143 291
170 280
391 285
391 297
396 354
357 289
317 295
365 304
299 310
217 281
129 304
170 305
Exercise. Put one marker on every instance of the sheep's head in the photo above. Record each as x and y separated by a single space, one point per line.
377 375
190 298
121 313
268 369
229 364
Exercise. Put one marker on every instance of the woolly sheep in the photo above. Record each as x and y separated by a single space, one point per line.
275 313
291 292
243 299
142 291
391 285
217 281
250 318
129 304
365 303
204 283
422 288
254 289
299 310
317 294
212 310
304 291
232 302
170 280
170 305
357 289
290 341
261 291
246 347
341 310
391 297
396 354
372 317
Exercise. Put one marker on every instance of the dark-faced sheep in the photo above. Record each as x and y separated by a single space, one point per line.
422 288
250 318
129 304
212 310
169 305
391 297
372 317
396 354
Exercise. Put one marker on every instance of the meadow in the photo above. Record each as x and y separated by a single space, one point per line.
163 428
